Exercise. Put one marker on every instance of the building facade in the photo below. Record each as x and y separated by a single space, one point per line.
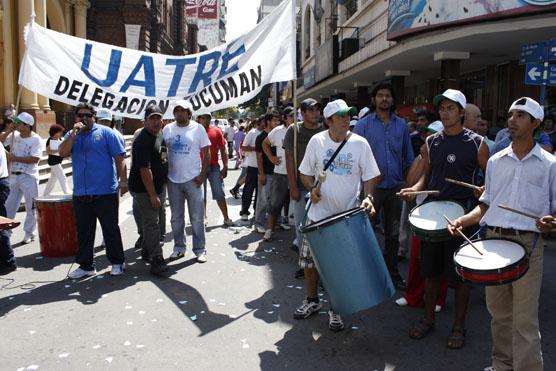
66 16
421 47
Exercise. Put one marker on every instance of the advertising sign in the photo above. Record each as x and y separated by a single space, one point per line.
410 16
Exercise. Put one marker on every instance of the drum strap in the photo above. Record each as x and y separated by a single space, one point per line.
326 166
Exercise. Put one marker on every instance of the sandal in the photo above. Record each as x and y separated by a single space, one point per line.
456 339
421 329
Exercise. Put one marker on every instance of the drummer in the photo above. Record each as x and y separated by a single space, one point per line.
523 177
457 153
338 192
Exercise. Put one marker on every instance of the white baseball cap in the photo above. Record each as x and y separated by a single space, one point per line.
363 112
104 114
455 96
183 104
435 127
338 107
530 106
25 118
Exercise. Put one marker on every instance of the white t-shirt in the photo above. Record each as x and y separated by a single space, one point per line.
276 139
22 147
3 164
230 132
249 141
354 163
184 150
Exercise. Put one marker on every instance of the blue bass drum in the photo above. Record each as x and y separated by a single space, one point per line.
349 260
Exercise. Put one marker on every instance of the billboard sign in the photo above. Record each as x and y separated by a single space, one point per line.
201 9
410 16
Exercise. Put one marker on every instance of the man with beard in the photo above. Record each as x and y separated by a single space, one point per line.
388 137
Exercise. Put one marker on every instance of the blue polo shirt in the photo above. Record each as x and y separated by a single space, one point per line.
391 147
94 168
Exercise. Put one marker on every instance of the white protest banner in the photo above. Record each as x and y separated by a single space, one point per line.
73 70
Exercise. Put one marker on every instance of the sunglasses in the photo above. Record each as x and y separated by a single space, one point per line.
84 115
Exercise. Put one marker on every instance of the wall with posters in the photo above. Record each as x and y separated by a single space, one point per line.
410 16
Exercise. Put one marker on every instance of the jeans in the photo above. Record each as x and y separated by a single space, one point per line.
214 177
263 201
298 213
178 193
250 186
87 210
150 224
391 206
7 257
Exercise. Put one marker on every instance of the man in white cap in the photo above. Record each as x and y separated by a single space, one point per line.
456 153
186 139
522 176
25 153
354 163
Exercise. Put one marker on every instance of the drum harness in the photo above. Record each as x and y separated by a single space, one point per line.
322 176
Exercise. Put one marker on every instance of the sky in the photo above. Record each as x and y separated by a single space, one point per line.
242 17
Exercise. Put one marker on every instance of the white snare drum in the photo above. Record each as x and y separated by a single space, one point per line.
428 223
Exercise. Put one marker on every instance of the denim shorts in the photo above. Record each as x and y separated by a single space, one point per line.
216 183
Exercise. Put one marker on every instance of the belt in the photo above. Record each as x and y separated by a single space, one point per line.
17 172
508 231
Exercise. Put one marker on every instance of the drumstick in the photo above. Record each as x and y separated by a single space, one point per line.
420 193
523 213
463 184
463 235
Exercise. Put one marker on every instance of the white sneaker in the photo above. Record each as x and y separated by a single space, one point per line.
28 238
306 309
490 368
259 229
229 223
437 308
117 269
177 254
202 258
267 235
285 226
80 273
402 302
335 322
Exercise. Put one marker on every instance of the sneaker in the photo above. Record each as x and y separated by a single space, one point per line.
245 217
201 258
335 322
158 265
177 254
306 309
229 223
437 308
117 269
259 229
285 226
490 368
80 273
402 302
234 193
267 235
300 273
29 237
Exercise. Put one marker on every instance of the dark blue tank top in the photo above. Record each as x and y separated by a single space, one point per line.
453 157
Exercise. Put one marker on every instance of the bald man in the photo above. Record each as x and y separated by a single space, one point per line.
472 116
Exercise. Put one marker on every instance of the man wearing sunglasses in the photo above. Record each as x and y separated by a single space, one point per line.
97 164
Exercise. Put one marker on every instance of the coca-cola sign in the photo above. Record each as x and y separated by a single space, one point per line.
202 9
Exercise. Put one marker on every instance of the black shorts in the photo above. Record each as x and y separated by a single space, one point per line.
438 258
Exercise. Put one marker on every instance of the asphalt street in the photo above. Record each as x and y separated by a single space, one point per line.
232 313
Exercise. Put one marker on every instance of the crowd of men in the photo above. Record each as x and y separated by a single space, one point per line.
337 159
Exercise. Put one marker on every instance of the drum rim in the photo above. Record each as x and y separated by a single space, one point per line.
499 282
510 267
431 230
62 198
330 220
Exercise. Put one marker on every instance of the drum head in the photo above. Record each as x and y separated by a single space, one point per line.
429 216
54 198
497 254
331 219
